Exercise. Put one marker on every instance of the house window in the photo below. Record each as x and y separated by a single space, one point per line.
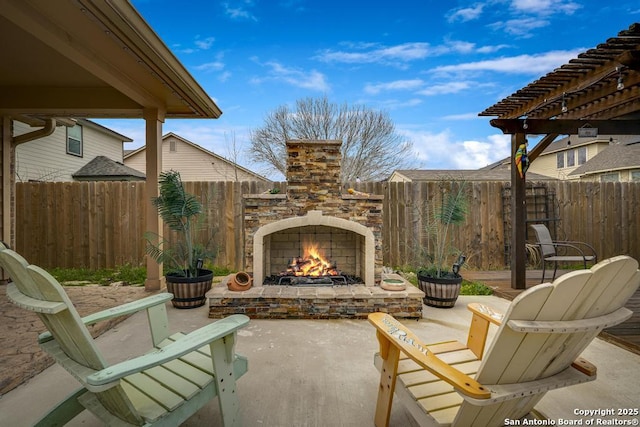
582 155
560 160
609 177
172 146
635 176
571 158
74 140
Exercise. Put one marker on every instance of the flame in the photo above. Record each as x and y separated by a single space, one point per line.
312 264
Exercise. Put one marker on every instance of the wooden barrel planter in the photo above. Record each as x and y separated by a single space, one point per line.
440 292
189 292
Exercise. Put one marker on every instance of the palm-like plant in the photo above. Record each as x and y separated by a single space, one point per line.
180 211
450 210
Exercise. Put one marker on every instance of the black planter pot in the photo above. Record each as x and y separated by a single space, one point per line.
441 292
189 292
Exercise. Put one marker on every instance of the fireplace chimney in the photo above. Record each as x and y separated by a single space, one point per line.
313 169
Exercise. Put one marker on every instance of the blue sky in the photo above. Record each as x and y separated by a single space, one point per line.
432 65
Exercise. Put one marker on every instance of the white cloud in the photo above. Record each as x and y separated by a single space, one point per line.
313 79
201 44
387 54
442 151
399 55
239 11
205 44
210 66
395 85
545 7
529 15
466 14
521 64
491 49
445 88
478 154
521 27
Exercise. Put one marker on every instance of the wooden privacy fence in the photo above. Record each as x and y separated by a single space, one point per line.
101 224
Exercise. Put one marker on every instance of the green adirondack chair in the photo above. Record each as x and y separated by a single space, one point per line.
536 349
161 388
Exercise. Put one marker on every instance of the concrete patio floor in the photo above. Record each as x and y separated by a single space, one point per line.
321 373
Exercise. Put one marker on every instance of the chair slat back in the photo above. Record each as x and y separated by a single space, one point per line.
544 240
65 325
515 357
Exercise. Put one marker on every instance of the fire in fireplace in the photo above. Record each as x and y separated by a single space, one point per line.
313 268
312 264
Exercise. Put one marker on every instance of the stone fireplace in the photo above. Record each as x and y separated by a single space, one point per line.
346 228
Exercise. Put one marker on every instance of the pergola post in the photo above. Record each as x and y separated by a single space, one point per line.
518 218
153 130
8 188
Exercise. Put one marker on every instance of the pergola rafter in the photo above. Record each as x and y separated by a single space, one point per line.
598 89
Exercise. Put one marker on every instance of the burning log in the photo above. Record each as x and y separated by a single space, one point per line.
311 266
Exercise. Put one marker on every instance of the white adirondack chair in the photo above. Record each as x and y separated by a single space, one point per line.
536 349
164 387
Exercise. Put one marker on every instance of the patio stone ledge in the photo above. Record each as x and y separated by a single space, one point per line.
322 302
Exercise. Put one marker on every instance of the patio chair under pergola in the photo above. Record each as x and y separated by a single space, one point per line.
596 93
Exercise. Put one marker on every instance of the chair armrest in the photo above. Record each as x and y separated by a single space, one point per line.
570 376
391 332
571 326
191 342
479 329
121 310
569 245
128 308
585 244
486 313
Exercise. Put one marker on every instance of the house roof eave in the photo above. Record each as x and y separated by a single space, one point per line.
56 72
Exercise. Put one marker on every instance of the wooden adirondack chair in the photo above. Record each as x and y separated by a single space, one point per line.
535 349
164 387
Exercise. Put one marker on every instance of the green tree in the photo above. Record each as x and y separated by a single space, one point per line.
371 147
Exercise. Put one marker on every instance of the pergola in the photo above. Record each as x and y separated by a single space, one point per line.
596 93
67 59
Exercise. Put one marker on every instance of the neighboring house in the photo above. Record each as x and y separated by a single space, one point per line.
619 162
64 153
484 174
102 168
193 162
603 158
565 155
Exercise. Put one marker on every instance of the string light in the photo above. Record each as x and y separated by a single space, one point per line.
620 79
584 86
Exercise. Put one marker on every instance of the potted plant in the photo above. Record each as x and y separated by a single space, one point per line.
447 210
183 258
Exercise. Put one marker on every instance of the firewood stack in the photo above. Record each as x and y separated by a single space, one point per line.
311 266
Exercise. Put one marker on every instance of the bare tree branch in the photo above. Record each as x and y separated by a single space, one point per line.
371 148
